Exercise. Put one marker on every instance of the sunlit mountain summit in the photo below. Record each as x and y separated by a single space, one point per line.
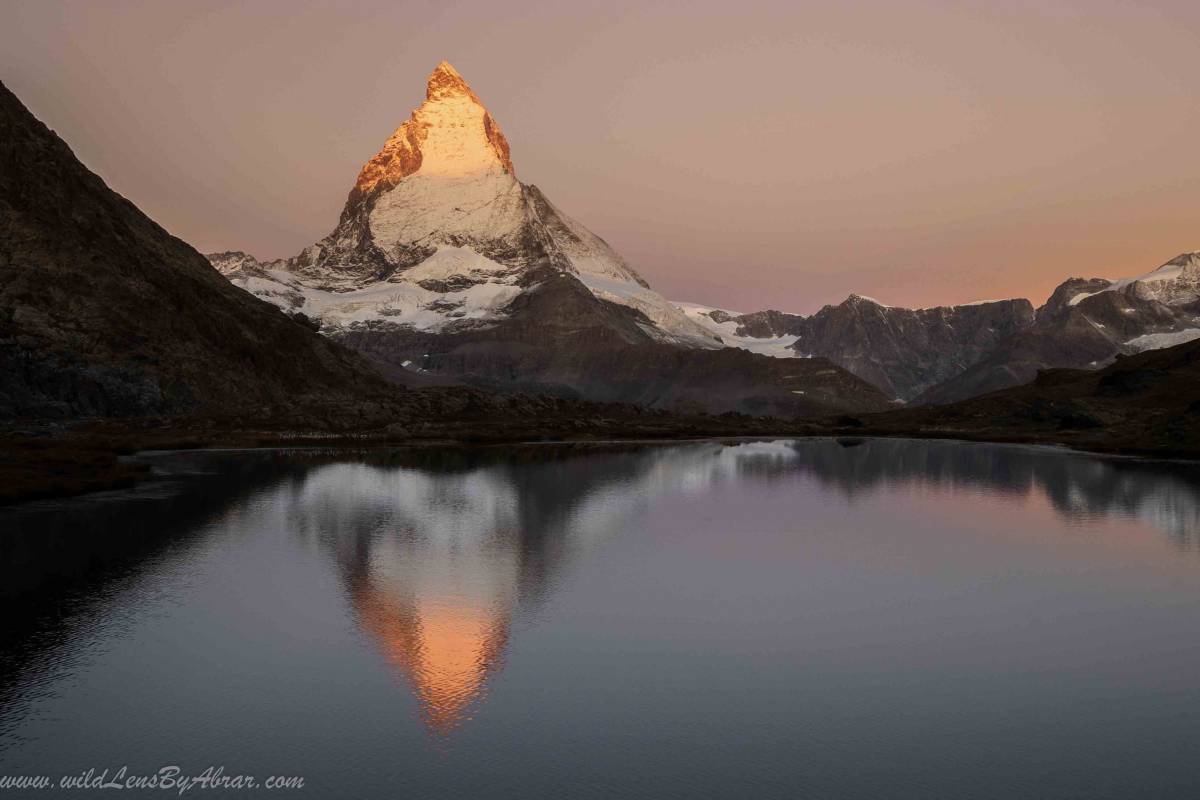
444 265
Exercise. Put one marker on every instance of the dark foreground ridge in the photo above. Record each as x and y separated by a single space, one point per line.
104 313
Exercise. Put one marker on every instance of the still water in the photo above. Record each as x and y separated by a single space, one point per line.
814 618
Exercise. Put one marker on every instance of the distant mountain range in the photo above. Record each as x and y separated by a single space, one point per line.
1087 324
903 351
941 355
444 265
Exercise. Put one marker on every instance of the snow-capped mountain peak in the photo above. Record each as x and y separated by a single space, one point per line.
439 218
451 134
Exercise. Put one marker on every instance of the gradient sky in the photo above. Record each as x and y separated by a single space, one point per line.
748 155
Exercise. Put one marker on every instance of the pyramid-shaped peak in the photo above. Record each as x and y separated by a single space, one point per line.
444 136
445 82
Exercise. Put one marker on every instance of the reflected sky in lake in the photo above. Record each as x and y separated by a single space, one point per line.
852 618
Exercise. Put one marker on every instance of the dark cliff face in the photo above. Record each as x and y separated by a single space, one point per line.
902 351
102 312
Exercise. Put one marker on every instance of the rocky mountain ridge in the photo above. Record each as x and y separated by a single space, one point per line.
903 351
1087 324
949 353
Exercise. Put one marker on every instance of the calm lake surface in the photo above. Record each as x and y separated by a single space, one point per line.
813 618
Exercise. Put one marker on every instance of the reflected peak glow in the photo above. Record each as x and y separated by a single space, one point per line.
446 650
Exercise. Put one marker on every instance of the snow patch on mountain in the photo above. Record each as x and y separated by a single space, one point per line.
1157 341
1174 283
435 209
666 316
776 347
449 262
395 302
977 303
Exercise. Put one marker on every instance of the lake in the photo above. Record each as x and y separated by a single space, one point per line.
809 618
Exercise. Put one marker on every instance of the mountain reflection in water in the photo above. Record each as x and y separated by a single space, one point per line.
438 551
444 563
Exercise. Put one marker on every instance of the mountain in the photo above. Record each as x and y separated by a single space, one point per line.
903 351
438 234
1086 324
1143 403
104 313
444 264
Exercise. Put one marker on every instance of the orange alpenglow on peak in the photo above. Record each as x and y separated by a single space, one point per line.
451 113
445 81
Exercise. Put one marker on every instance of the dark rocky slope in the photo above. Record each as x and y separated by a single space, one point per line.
104 313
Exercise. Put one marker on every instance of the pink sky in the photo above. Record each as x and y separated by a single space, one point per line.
747 155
